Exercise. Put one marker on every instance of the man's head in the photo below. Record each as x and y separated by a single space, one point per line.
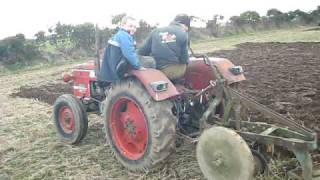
129 24
184 20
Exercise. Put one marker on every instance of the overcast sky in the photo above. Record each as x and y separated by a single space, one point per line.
30 16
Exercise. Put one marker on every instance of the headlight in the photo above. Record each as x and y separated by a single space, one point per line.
159 86
236 70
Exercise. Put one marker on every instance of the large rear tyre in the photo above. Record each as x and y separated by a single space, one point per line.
140 131
223 155
70 119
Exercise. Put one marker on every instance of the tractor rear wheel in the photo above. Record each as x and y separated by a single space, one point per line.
223 155
70 119
140 131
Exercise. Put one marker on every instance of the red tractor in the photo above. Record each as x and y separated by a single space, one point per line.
144 112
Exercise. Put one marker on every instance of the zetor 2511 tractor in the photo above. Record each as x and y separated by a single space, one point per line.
144 112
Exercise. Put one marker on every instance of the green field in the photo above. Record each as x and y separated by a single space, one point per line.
300 34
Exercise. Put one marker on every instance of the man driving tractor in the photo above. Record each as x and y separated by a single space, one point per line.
169 47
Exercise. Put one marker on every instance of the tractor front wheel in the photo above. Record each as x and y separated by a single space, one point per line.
140 131
70 119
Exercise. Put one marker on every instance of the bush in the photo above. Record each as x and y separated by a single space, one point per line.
17 49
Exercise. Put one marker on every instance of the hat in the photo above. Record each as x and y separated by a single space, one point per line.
183 19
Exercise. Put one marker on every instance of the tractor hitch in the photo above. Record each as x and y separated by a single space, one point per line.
284 132
292 136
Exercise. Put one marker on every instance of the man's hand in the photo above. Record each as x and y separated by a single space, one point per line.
142 68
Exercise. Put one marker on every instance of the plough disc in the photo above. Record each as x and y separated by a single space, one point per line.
223 155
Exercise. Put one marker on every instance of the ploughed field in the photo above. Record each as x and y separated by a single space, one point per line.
283 76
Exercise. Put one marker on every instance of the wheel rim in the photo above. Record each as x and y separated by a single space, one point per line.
66 119
129 128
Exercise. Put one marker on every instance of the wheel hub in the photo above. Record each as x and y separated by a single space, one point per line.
66 120
128 128
131 128
217 160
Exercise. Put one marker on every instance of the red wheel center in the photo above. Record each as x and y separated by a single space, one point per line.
129 128
66 119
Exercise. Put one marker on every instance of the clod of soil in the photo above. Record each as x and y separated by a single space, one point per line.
47 93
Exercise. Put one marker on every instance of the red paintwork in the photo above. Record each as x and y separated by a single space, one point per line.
88 65
82 75
152 75
198 74
66 119
129 128
224 65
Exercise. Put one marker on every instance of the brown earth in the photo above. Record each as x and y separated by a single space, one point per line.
46 93
283 76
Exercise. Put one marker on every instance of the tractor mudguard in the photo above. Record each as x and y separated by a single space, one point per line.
199 74
150 76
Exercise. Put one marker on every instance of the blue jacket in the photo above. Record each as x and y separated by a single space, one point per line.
119 47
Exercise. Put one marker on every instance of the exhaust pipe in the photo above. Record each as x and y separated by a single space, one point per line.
67 77
97 45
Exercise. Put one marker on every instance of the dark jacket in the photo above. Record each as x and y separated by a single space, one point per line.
119 48
168 45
